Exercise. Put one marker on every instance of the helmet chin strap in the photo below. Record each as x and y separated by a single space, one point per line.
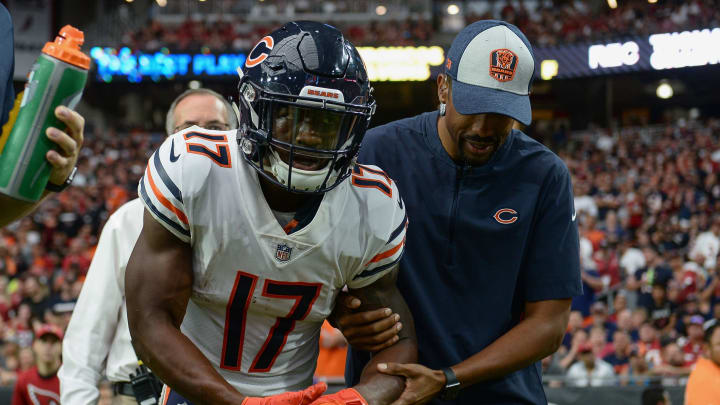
302 180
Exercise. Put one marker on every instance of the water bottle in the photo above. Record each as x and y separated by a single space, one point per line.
57 78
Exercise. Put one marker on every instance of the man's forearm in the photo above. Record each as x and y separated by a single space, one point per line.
378 388
179 363
529 341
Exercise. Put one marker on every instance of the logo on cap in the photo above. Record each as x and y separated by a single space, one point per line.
502 64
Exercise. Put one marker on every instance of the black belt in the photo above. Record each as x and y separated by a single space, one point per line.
123 388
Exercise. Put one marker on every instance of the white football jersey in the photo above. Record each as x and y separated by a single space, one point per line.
260 294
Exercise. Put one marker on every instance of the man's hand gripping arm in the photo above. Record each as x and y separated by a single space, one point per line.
374 387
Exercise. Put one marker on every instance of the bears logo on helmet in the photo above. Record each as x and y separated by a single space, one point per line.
305 104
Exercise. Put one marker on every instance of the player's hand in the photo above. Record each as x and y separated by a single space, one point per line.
69 143
370 331
304 397
421 383
348 396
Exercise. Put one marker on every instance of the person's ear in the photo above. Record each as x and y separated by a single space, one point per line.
443 88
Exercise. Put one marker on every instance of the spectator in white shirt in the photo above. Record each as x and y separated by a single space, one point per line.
631 260
584 203
707 246
589 370
98 339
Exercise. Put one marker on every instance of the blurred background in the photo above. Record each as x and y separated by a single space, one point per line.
625 93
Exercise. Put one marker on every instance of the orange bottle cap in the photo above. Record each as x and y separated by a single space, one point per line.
66 47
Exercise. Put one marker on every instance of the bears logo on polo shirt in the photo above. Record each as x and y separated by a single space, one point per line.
502 64
506 216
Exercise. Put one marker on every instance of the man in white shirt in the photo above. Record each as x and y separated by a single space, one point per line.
97 338
584 203
589 370
707 246
631 260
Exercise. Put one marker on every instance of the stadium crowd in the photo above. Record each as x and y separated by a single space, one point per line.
646 201
552 23
45 256
241 35
546 23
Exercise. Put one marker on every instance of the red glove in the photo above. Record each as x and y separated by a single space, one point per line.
348 396
304 397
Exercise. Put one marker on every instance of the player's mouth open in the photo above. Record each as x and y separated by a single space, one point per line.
308 163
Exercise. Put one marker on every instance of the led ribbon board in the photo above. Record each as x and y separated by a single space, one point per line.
136 66
383 63
656 52
407 63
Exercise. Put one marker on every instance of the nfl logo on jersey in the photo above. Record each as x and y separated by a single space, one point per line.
282 252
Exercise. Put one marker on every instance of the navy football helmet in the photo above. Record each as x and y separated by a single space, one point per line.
305 104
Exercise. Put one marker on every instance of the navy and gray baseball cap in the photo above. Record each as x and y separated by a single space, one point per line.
492 65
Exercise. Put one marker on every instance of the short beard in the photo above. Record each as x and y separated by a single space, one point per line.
467 160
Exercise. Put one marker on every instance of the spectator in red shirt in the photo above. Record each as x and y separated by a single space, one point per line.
672 364
693 347
40 385
598 340
77 258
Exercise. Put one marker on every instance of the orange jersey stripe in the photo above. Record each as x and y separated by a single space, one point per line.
290 226
164 200
387 253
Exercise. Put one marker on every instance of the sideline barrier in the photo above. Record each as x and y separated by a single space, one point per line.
606 395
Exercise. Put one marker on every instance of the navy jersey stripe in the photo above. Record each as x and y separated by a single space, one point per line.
159 214
372 183
398 230
205 136
378 172
368 273
166 179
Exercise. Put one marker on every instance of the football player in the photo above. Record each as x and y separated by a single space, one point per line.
249 235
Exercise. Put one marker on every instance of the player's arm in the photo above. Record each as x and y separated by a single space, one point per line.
62 161
375 387
158 284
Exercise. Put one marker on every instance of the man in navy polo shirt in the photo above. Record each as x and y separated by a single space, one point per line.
492 256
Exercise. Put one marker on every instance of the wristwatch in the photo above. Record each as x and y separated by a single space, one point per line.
56 188
452 385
